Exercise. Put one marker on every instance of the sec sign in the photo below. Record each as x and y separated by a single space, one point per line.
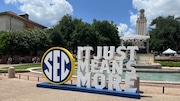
57 65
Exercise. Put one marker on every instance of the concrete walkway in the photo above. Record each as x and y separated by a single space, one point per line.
25 90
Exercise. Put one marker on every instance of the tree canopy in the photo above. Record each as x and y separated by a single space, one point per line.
74 32
24 41
166 33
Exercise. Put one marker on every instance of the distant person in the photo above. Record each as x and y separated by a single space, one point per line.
34 59
75 56
9 60
21 59
1 60
38 60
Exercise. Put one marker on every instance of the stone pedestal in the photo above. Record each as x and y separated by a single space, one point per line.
11 72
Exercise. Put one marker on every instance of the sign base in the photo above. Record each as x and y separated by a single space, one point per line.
89 90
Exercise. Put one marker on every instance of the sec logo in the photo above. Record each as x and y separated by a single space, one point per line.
57 65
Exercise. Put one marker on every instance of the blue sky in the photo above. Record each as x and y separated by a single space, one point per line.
116 11
123 13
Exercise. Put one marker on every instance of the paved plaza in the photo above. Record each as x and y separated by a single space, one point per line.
23 88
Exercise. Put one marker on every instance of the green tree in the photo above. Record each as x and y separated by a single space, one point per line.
108 32
5 42
25 41
56 38
166 34
62 33
20 42
85 35
39 40
64 30
72 32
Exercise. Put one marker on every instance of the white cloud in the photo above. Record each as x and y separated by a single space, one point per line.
122 27
133 18
155 8
47 12
124 30
130 31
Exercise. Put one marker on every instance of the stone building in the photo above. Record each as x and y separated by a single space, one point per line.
12 21
141 38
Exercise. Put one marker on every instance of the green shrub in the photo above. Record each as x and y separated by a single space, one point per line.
169 63
17 71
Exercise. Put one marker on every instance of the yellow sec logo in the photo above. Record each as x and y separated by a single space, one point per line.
57 65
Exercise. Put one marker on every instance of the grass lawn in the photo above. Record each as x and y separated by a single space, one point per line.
169 63
24 66
20 68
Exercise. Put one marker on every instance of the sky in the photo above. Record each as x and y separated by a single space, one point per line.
123 13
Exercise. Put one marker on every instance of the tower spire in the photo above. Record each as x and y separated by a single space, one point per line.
141 23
